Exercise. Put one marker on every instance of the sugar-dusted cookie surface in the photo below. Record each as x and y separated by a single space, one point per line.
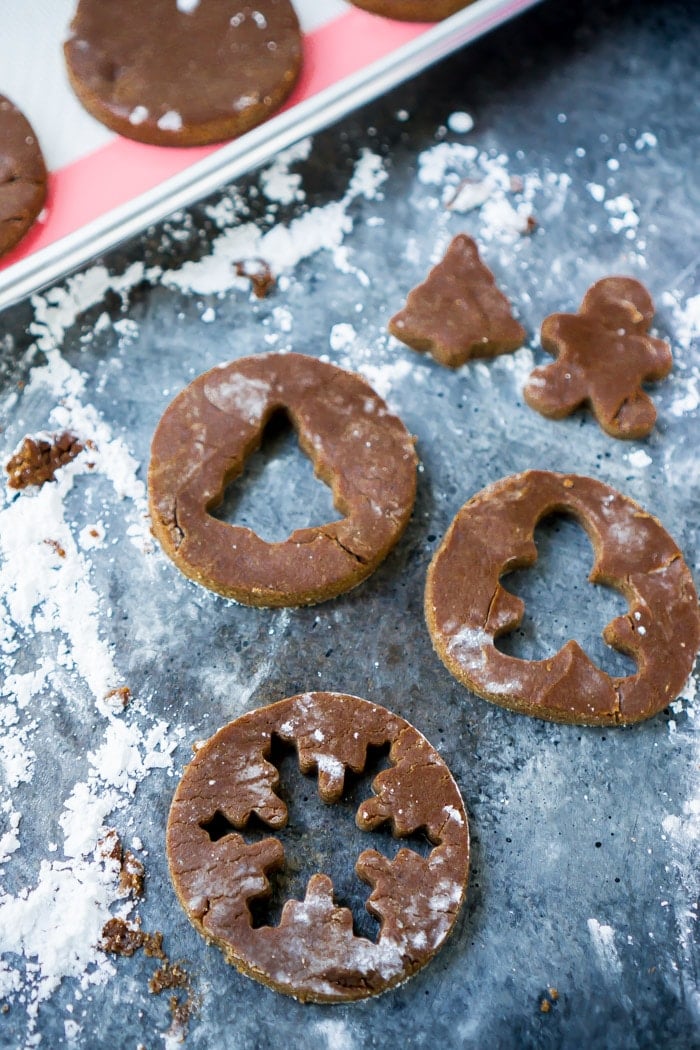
183 72
458 312
467 607
604 353
219 869
22 176
357 446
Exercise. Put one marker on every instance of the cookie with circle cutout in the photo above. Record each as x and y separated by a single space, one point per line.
313 953
22 176
603 355
357 446
413 10
467 607
183 72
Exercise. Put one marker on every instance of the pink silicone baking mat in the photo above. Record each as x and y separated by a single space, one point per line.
103 187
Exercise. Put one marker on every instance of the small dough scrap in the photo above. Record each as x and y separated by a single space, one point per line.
458 313
604 354
467 608
313 954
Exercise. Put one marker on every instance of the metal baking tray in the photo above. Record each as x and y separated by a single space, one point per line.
308 115
580 923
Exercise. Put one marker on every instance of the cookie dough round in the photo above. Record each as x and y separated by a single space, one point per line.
183 72
22 176
466 607
413 10
357 446
313 953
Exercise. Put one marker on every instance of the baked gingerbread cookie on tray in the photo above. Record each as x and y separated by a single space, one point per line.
458 312
22 176
413 10
467 607
183 72
357 446
219 870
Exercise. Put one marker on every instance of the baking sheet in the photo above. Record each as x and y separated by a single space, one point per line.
585 863
103 188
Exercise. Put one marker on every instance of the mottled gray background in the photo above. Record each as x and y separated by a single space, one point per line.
566 822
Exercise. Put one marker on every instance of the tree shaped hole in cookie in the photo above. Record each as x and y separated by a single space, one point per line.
357 446
278 491
235 828
468 605
561 602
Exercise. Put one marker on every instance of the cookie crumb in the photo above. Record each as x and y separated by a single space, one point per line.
132 875
258 273
122 693
37 460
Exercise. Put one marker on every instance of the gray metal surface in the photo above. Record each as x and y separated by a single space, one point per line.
584 874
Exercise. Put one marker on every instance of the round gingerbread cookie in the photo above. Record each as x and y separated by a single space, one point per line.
466 606
313 953
413 10
22 176
357 446
183 72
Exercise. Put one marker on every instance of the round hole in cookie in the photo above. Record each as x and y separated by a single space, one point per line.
560 602
277 492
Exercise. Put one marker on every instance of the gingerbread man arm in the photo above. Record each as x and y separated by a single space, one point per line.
558 389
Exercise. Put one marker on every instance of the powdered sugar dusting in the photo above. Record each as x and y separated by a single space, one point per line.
603 940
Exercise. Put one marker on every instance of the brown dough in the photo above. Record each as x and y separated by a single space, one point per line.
603 356
458 312
22 176
38 460
183 72
356 445
313 953
413 10
466 606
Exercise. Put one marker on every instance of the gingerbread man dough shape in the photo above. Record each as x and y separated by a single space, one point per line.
604 354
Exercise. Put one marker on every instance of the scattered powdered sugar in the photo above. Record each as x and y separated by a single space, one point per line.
48 600
336 1035
342 336
283 246
639 458
170 121
685 330
603 939
460 122
278 183
239 394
